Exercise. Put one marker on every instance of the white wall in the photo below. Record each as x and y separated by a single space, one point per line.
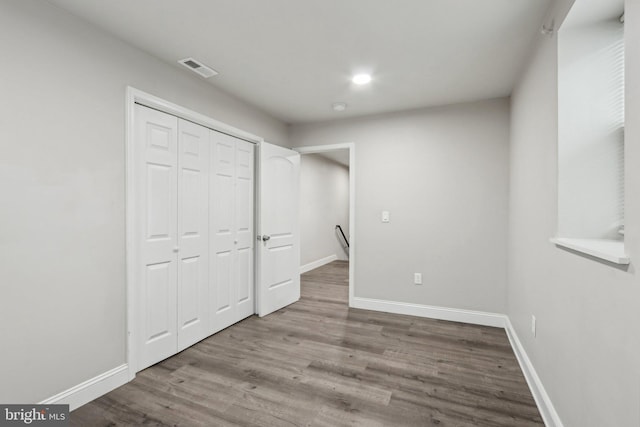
443 175
588 316
324 202
62 180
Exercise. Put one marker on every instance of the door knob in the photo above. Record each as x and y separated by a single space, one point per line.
176 249
265 238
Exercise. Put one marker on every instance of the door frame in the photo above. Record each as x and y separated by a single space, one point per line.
315 149
136 96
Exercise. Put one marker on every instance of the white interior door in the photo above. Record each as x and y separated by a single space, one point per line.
279 244
156 166
231 237
193 234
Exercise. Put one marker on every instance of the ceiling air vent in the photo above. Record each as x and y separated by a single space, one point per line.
198 67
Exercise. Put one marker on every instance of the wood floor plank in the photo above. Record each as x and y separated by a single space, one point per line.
319 363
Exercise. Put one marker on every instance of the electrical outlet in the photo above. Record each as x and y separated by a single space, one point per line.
533 325
417 278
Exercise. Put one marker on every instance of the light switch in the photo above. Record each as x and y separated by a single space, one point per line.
385 216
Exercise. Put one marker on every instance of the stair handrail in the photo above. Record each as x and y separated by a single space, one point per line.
342 232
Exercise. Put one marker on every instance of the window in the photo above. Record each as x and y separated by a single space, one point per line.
591 125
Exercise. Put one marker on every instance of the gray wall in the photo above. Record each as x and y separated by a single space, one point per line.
443 175
62 180
324 202
588 321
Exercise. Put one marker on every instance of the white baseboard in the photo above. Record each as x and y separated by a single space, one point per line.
545 406
433 312
317 263
91 389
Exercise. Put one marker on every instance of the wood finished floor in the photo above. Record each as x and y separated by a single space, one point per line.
318 363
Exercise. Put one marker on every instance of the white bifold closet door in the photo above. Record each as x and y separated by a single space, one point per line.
171 160
231 222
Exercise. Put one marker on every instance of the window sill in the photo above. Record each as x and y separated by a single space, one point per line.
608 250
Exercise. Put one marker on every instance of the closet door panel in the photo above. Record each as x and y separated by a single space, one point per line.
190 308
222 193
223 280
155 157
232 236
244 283
222 223
193 233
158 284
244 194
244 228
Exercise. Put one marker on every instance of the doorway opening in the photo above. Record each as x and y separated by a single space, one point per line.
327 226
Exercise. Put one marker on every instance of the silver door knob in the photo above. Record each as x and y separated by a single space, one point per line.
265 238
176 249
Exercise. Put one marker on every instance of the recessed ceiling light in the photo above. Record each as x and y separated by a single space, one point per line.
339 106
361 79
